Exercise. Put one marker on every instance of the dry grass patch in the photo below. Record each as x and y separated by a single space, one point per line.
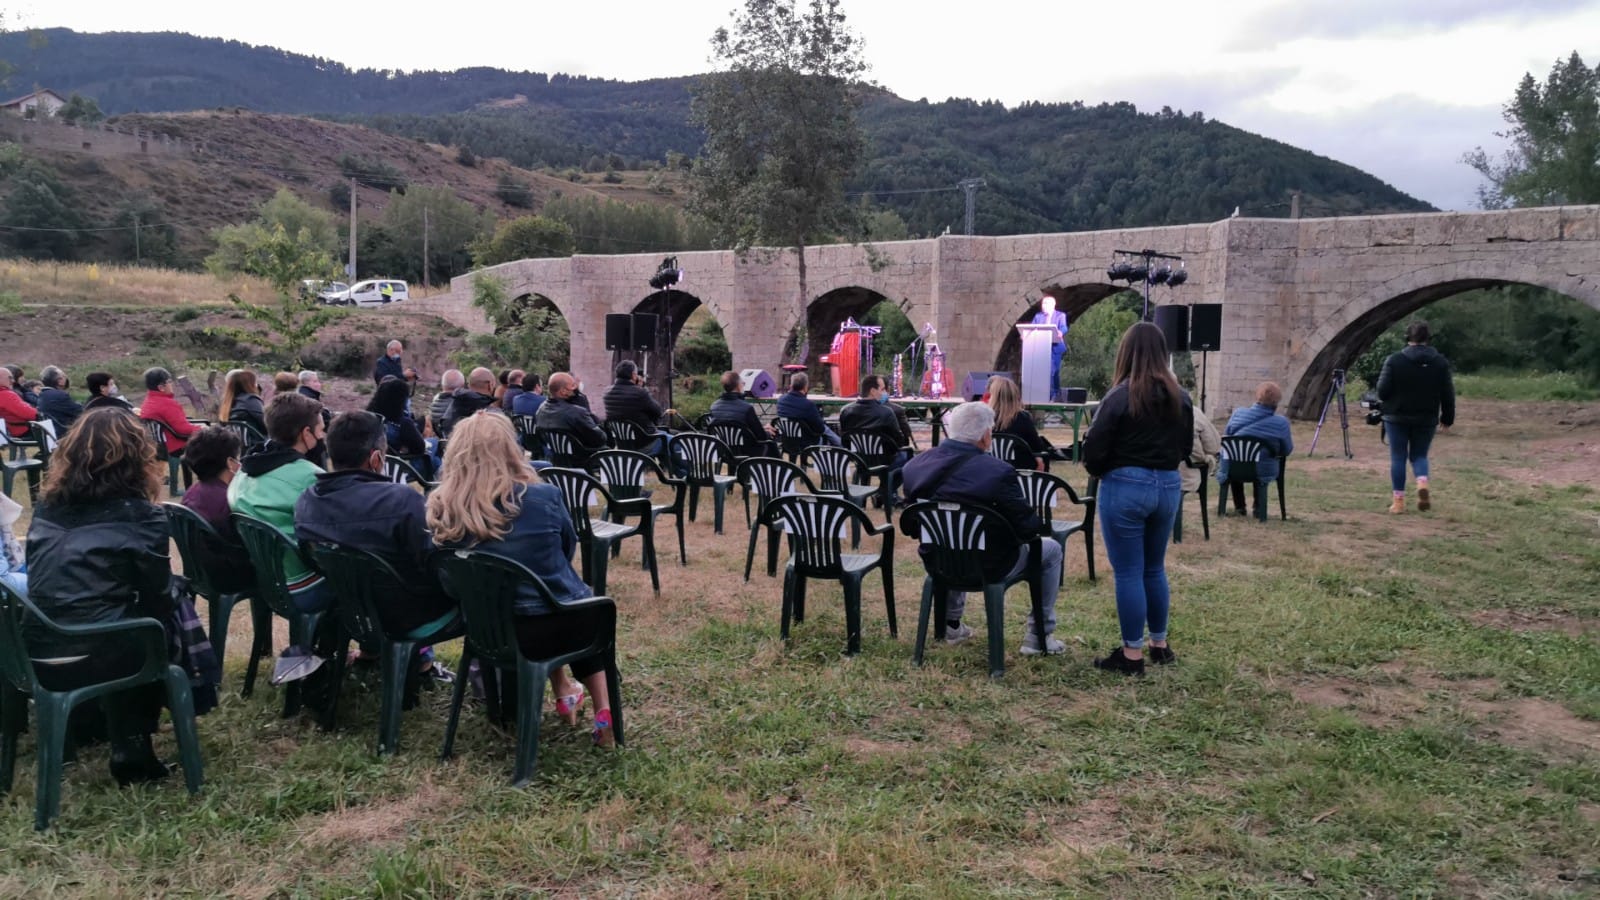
1558 621
383 822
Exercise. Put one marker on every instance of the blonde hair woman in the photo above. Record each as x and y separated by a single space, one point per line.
1010 418
491 500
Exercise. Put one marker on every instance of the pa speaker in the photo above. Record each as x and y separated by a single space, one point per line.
976 383
619 331
1205 326
1076 395
644 331
758 384
1174 323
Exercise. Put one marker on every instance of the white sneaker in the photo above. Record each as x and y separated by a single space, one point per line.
1030 645
955 637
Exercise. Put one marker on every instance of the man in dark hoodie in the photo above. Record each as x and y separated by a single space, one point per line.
1419 397
357 506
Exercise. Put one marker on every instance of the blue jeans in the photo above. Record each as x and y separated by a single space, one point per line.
1408 443
1136 508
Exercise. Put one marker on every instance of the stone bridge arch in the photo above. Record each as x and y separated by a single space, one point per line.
1351 328
1074 299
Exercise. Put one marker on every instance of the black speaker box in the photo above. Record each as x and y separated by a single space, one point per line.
644 331
1205 326
1174 323
619 331
1076 395
973 387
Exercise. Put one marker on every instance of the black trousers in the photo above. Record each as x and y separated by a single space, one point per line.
126 713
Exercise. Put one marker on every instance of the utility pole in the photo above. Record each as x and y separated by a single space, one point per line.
1294 204
969 186
138 257
425 283
352 273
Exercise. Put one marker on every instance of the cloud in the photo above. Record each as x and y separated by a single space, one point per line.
1347 19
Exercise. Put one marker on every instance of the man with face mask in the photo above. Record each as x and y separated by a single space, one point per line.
872 413
272 479
103 391
389 363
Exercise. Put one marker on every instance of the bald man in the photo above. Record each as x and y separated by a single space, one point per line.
560 413
477 395
389 363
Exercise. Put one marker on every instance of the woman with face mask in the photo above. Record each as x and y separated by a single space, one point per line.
103 391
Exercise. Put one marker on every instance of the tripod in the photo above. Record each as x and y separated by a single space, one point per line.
1334 390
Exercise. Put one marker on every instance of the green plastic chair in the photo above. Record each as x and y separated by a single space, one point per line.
19 681
877 458
17 460
486 587
767 477
624 471
815 525
596 537
1243 454
174 461
267 547
1205 505
1042 490
401 470
360 582
954 537
704 459
192 534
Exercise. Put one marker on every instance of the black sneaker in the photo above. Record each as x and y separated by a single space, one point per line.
1161 656
1115 661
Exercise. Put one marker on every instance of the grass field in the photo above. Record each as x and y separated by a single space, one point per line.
1363 705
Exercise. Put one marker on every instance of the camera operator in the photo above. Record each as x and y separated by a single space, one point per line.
1418 396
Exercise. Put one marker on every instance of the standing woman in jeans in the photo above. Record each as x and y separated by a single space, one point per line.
1418 397
1140 434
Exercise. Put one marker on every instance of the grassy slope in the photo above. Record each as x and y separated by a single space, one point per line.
1346 717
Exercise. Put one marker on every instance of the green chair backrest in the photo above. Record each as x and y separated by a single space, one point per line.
960 541
191 533
816 525
15 666
1242 453
267 548
358 579
486 587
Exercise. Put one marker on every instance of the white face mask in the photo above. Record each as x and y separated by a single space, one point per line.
113 390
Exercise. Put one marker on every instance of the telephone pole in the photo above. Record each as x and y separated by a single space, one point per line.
425 283
352 273
969 186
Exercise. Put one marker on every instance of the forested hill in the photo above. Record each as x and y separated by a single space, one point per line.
1047 167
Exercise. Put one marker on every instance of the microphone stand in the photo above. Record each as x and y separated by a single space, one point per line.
916 367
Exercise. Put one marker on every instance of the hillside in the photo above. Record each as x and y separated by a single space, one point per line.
1046 167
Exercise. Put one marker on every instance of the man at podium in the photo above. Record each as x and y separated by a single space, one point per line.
1047 315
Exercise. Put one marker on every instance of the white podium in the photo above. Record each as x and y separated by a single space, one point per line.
1036 340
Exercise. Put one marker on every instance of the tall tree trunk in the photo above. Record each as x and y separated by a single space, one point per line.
802 337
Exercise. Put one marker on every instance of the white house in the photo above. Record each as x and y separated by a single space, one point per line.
42 103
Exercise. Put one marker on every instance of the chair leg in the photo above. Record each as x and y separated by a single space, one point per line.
787 612
458 696
260 643
1205 508
396 657
614 688
772 552
799 597
888 598
180 701
595 562
530 704
1222 499
922 620
52 711
852 615
994 605
13 719
1283 509
650 555
683 552
694 501
219 611
750 553
1177 522
720 497
341 664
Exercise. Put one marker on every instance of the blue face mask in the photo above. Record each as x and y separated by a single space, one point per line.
883 398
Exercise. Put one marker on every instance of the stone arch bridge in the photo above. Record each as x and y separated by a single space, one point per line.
1299 297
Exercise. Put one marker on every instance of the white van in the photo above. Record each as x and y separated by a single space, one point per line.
378 291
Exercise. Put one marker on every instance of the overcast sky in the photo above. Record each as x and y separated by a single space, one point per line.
1396 87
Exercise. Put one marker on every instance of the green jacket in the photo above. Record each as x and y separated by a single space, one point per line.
267 486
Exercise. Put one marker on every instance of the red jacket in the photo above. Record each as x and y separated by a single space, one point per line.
164 408
16 412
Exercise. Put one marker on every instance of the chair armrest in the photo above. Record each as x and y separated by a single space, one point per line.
587 603
883 528
149 632
633 504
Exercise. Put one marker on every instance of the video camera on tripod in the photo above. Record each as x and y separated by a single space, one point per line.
1374 407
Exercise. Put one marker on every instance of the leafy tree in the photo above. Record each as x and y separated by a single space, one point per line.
238 245
44 219
450 223
372 172
513 191
528 237
143 234
80 109
781 131
528 333
1555 142
284 260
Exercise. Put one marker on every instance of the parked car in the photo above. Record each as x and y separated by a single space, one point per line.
335 293
378 291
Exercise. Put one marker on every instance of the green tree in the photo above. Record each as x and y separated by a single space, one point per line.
1555 142
781 131
527 334
527 237
451 226
237 245
143 234
44 219
80 109
284 260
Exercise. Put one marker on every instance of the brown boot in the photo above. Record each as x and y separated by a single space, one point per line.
1423 501
1398 506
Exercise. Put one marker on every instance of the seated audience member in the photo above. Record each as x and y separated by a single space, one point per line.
284 383
357 506
241 401
26 388
310 385
795 405
559 413
628 401
401 434
514 388
1260 421
1010 418
213 455
271 480
439 411
161 406
500 506
97 553
733 409
961 470
870 414
1207 444
477 396
389 363
16 411
528 402
13 561
103 391
54 401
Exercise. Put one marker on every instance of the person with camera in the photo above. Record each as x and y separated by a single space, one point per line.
1418 397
